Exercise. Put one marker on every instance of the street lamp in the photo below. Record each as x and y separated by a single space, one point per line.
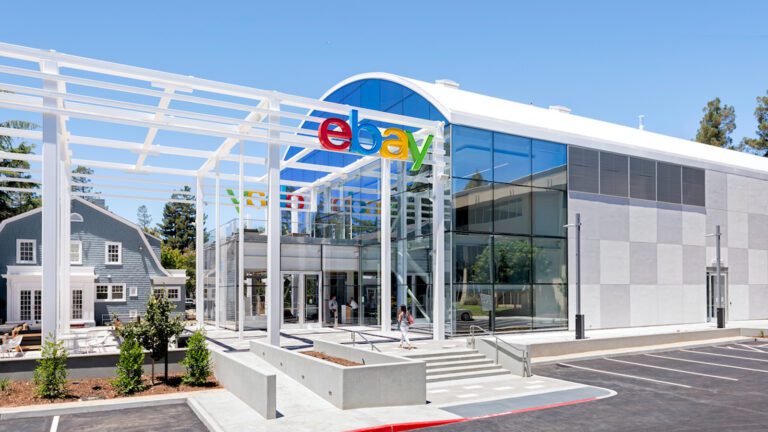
718 283
579 315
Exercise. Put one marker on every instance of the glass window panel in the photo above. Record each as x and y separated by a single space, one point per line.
472 305
668 185
391 93
370 94
549 260
416 106
614 174
513 307
511 209
583 168
473 204
117 292
472 153
693 186
642 179
512 259
511 159
548 164
550 306
102 292
472 258
550 212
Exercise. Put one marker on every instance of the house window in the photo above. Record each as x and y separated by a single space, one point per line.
77 304
25 304
110 292
26 251
38 309
171 293
114 253
76 252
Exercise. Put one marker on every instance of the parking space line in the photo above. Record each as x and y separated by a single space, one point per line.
752 348
625 375
730 348
724 355
707 363
673 370
55 424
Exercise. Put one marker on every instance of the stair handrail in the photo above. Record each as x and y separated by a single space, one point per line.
352 334
497 339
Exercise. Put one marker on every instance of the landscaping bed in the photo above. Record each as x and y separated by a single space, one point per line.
332 359
21 393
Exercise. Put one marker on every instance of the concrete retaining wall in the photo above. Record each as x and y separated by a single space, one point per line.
509 358
98 365
384 380
257 388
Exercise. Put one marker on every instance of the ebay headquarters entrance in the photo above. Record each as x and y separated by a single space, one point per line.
374 196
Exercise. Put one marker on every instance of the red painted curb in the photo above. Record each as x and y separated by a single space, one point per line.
401 427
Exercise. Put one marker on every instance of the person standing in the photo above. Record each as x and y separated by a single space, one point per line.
404 320
333 306
354 306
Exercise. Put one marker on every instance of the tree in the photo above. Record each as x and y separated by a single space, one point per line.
130 367
176 259
717 124
476 180
157 329
82 180
178 226
197 361
14 203
760 144
50 375
144 218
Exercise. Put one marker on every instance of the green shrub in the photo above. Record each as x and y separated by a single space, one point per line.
129 367
50 376
5 384
197 361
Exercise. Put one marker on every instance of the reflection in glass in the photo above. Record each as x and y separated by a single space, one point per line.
548 164
511 209
549 260
472 153
511 259
550 212
511 159
473 204
550 306
472 260
513 307
472 306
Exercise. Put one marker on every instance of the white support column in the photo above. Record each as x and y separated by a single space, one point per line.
199 253
386 247
51 241
218 304
241 246
438 243
274 287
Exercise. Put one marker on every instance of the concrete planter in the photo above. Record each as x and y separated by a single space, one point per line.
382 380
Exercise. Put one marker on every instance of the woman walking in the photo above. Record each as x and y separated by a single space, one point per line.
404 319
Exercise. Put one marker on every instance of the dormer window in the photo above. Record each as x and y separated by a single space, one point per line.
113 253
26 251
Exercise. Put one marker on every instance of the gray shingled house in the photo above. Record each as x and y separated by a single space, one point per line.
114 267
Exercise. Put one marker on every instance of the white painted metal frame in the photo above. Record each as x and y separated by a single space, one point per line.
87 90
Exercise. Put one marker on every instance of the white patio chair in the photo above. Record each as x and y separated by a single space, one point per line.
12 344
97 342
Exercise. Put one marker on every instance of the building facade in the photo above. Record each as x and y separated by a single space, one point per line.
114 268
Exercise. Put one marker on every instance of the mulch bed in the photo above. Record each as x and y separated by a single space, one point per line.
332 359
23 393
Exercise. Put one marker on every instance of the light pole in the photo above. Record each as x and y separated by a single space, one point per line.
718 282
579 315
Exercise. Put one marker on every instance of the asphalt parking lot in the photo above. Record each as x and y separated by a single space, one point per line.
712 388
167 418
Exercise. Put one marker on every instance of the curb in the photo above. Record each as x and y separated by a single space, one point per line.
67 408
204 416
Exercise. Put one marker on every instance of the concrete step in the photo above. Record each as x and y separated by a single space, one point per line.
466 375
453 358
462 369
444 364
442 353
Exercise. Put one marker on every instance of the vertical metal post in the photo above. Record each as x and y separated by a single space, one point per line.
720 293
241 245
274 287
438 242
218 304
579 315
199 253
385 237
51 239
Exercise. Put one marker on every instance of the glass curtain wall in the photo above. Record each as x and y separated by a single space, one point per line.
507 237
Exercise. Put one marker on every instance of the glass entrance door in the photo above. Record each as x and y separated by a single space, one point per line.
715 298
301 295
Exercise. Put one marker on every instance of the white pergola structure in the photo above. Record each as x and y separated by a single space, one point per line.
91 108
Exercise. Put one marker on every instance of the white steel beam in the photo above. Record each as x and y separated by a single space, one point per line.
199 253
274 286
218 304
163 104
438 243
386 247
241 249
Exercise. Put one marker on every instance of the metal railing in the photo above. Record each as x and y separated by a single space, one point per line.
523 352
352 334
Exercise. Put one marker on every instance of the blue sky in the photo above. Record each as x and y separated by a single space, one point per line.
604 59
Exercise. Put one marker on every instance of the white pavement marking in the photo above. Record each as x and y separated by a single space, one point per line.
752 348
468 395
438 391
625 375
471 387
707 363
730 348
670 369
55 424
725 355
532 387
503 388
